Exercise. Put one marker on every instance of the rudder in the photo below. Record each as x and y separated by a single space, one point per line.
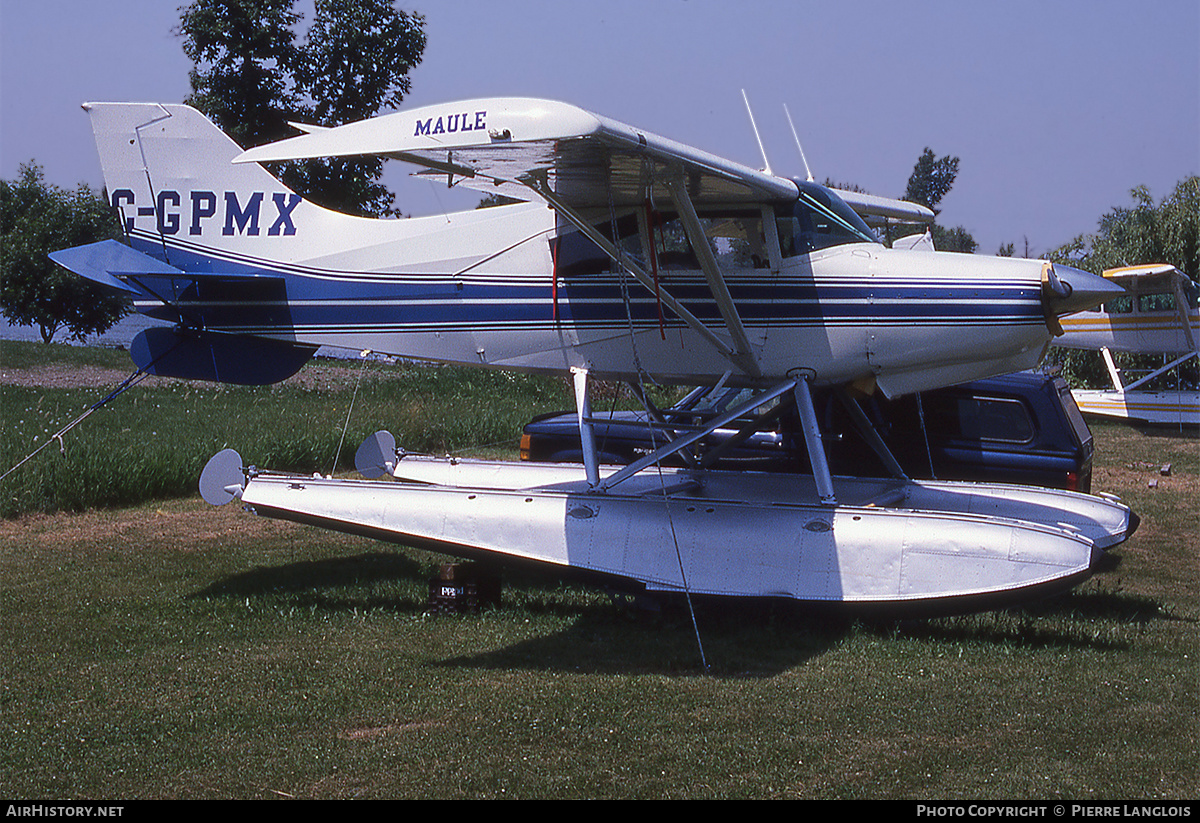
169 172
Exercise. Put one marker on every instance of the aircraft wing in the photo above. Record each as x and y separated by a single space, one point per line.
1145 270
870 207
1155 276
513 146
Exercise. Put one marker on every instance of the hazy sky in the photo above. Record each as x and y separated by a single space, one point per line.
1056 108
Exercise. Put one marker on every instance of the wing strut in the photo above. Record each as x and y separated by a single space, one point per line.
1144 380
743 356
645 280
1181 306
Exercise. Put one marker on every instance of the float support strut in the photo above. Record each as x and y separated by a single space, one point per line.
812 441
587 434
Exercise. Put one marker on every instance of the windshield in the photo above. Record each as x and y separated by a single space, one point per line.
819 219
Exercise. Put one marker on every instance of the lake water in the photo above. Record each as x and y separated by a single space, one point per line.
122 334
119 335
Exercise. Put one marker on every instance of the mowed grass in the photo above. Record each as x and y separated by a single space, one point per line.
174 650
153 441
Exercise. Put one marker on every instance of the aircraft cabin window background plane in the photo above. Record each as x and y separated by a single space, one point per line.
1158 313
700 272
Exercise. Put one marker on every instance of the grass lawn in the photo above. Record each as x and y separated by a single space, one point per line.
167 649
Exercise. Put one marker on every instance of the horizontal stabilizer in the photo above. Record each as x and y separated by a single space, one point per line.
108 261
217 357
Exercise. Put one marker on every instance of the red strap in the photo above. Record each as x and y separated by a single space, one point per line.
653 217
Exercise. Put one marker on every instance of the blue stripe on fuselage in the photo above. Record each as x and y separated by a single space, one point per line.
262 299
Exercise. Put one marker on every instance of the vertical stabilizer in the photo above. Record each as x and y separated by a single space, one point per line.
169 172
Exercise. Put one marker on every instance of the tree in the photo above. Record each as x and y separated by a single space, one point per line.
931 179
1010 250
1128 236
252 78
490 200
245 58
955 239
35 219
1143 233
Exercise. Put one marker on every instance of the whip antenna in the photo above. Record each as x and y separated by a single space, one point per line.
796 137
753 125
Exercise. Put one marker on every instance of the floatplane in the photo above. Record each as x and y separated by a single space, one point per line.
1159 313
628 257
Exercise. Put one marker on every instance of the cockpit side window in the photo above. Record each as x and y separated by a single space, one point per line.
1121 304
1158 301
734 235
817 220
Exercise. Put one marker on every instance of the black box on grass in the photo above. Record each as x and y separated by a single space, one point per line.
463 588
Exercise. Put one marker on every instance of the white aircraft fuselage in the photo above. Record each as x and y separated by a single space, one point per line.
245 256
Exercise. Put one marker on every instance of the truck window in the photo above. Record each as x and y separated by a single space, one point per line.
973 417
1079 426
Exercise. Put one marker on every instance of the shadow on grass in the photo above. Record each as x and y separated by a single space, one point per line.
1173 431
732 640
1074 620
761 640
728 638
1117 607
356 583
606 634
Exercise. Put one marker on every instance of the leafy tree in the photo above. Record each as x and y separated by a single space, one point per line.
35 219
1010 250
489 200
1143 233
1128 236
357 58
931 179
955 239
830 183
245 58
252 78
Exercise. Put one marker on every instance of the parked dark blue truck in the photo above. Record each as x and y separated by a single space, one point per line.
1020 428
